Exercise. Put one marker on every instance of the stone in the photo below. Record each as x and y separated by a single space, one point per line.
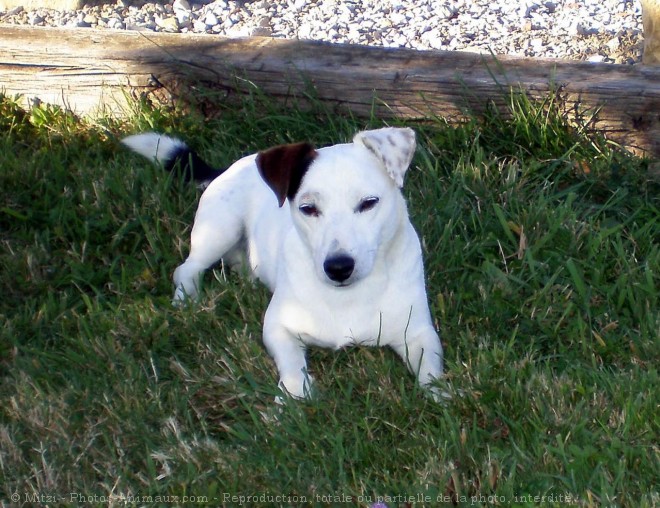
115 23
211 19
614 44
29 5
35 19
167 24
261 31
181 5
200 26
183 18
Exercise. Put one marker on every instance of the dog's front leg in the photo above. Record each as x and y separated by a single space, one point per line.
422 353
288 352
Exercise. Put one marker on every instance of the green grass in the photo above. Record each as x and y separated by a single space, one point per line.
542 258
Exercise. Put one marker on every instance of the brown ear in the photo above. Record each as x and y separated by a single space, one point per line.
283 168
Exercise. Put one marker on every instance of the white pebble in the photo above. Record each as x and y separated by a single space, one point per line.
579 29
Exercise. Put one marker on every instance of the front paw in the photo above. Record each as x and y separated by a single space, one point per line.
436 394
295 387
179 299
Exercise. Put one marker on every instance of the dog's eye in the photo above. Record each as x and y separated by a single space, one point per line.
367 204
309 210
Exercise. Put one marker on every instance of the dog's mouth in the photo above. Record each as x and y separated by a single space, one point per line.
344 284
339 284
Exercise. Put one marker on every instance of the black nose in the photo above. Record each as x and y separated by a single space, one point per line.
339 268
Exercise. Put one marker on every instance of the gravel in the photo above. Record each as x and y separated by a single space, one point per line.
593 30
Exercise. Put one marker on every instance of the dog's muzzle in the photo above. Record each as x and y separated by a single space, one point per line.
339 268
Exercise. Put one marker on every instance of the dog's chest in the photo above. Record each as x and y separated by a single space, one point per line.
333 320
342 329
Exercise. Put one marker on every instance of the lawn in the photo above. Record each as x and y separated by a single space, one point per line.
541 244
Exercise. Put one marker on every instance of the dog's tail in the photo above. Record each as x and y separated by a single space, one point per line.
174 155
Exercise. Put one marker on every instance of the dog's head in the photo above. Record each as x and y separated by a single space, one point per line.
345 199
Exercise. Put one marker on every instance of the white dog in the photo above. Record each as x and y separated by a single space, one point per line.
341 258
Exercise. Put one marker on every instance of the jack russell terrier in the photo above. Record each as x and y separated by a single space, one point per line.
327 230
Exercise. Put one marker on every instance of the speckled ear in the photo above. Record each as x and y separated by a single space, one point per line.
283 168
394 147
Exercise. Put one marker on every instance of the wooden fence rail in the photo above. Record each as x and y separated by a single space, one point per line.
85 69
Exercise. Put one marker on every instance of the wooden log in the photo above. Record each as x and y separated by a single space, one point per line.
651 27
85 69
